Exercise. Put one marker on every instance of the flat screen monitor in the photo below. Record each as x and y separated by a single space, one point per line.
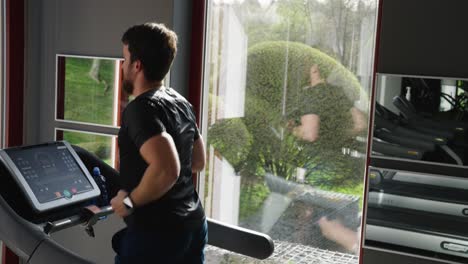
51 175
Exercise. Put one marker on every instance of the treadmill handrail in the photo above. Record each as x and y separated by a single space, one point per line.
240 240
408 142
88 216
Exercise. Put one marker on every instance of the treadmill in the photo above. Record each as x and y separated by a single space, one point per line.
48 187
415 191
455 131
418 143
423 212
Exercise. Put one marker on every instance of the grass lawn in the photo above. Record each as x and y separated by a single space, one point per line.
85 98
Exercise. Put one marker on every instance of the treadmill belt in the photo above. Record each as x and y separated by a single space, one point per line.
418 221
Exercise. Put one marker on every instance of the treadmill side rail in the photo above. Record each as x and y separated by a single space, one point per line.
240 240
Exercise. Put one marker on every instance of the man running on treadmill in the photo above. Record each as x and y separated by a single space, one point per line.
160 147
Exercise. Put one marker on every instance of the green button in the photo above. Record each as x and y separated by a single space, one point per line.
67 194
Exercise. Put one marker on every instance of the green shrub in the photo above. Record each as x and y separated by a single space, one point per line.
232 140
100 149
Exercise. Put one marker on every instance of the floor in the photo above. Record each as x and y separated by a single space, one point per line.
285 252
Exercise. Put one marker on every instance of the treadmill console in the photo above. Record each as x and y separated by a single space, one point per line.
50 175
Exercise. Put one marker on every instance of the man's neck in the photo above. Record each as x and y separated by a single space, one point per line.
145 86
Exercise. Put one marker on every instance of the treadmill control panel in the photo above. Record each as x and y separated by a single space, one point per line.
51 175
52 172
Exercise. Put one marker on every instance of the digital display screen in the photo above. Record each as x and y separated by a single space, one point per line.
50 171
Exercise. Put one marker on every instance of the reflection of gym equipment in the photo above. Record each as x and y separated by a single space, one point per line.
416 121
419 192
430 212
25 231
438 234
426 142
380 147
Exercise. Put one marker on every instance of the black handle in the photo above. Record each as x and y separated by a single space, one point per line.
89 216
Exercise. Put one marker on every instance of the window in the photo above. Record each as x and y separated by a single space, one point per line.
89 102
285 112
103 146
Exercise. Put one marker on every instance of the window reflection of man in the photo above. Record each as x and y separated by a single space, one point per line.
309 125
327 121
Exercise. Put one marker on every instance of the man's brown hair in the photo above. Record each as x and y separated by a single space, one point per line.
154 45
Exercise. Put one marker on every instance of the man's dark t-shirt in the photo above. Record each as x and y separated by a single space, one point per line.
150 114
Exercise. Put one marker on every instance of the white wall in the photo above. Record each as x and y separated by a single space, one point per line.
225 193
233 69
387 88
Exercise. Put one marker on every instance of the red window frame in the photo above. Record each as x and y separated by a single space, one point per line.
14 86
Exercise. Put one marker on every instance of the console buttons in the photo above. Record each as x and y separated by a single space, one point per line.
465 211
67 194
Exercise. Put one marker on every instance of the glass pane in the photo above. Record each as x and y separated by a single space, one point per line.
102 146
87 90
287 119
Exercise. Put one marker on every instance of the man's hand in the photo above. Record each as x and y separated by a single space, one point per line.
334 230
118 205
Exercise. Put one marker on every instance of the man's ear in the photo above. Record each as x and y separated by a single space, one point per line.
138 66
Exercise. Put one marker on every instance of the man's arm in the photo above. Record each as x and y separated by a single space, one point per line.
309 128
162 172
359 120
198 155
